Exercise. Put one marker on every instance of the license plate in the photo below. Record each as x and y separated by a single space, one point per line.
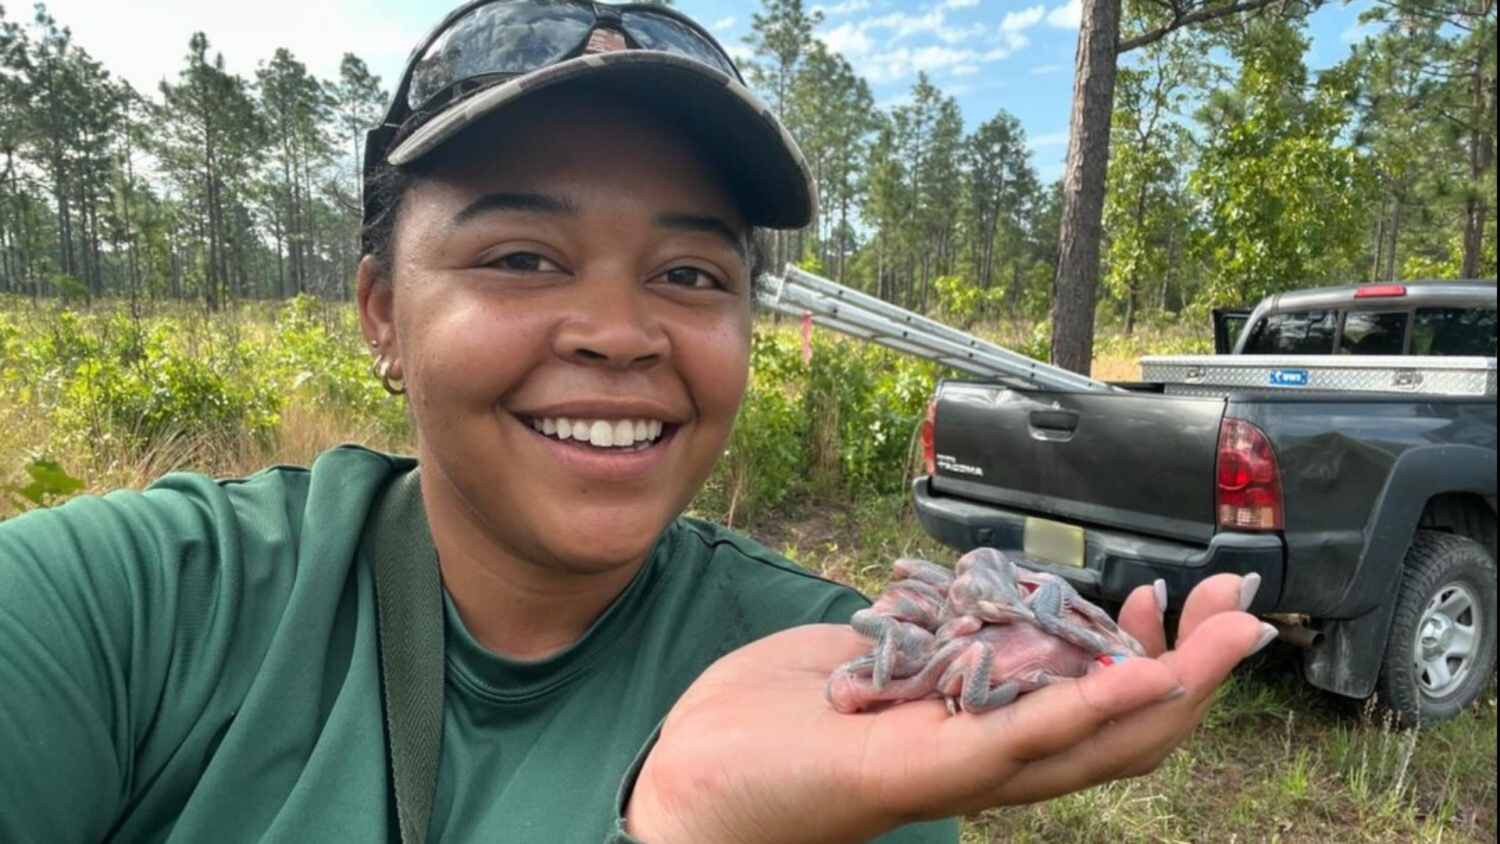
1054 542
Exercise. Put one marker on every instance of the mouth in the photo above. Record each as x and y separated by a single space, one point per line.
614 435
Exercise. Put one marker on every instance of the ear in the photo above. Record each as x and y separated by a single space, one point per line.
376 295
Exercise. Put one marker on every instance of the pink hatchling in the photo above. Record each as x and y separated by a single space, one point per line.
978 637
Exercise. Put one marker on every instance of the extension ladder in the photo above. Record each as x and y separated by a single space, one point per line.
857 314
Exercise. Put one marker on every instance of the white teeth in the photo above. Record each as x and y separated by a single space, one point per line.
602 433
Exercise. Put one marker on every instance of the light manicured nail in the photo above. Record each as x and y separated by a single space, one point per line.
1160 587
1267 635
1178 691
1248 587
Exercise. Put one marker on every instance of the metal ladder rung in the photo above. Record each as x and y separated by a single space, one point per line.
860 315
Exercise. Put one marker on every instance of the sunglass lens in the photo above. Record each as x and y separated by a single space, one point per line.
654 31
499 38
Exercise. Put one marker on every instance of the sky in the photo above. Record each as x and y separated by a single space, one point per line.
1015 55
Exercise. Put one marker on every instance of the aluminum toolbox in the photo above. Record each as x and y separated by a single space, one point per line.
1216 374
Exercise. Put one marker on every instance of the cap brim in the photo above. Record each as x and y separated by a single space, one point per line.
760 161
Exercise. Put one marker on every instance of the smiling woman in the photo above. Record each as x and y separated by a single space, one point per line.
557 276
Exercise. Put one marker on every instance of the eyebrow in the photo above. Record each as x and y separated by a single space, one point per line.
532 203
703 223
538 203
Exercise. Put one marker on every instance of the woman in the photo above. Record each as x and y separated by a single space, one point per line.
560 216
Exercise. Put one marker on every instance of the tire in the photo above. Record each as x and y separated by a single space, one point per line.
1441 652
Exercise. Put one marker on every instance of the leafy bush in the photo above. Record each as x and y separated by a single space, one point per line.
841 425
319 353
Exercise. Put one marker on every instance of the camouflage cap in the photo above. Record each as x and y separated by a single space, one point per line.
761 162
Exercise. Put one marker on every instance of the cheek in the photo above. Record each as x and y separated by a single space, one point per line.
720 370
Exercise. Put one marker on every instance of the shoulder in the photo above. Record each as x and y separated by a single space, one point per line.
759 578
167 548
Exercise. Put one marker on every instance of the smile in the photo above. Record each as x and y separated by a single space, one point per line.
631 434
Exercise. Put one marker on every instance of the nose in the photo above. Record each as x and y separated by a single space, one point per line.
612 324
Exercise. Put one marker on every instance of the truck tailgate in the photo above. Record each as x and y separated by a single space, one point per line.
1136 460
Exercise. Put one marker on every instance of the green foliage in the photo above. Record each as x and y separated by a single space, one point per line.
319 353
48 481
142 388
841 426
121 387
1284 191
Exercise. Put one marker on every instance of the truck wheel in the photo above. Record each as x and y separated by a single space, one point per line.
1441 650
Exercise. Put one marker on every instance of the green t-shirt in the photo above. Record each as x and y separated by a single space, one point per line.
198 663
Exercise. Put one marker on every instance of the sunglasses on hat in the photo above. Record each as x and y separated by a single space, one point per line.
489 53
490 41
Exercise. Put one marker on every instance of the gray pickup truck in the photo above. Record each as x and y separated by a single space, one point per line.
1345 451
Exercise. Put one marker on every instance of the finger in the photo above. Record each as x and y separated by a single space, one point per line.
1142 618
974 754
1218 594
1203 660
1137 742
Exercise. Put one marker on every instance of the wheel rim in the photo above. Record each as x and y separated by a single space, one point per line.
1447 638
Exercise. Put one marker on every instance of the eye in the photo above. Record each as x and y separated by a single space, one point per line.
691 277
523 262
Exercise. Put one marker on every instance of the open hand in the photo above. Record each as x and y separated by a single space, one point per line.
753 753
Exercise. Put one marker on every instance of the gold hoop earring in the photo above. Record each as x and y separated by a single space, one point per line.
382 370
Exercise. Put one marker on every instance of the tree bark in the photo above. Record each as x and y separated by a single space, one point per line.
1481 159
1083 187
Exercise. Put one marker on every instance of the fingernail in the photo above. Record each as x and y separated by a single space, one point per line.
1161 596
1267 634
1176 693
1248 587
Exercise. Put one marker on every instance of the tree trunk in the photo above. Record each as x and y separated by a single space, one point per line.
1083 187
1481 159
1393 241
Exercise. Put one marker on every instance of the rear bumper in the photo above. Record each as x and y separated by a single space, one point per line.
1115 562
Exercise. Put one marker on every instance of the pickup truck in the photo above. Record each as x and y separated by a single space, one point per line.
1345 451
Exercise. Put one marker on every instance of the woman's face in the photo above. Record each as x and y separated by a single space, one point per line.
569 304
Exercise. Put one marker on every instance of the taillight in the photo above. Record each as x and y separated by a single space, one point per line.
929 456
1248 479
1380 291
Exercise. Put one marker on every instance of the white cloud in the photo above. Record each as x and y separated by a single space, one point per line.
1023 20
850 40
741 53
723 23
1067 16
940 58
1014 45
844 8
888 47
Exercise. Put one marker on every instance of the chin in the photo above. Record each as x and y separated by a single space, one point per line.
607 541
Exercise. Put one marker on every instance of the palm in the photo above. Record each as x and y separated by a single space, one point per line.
755 742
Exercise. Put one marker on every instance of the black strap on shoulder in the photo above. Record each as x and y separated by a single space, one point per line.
409 603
